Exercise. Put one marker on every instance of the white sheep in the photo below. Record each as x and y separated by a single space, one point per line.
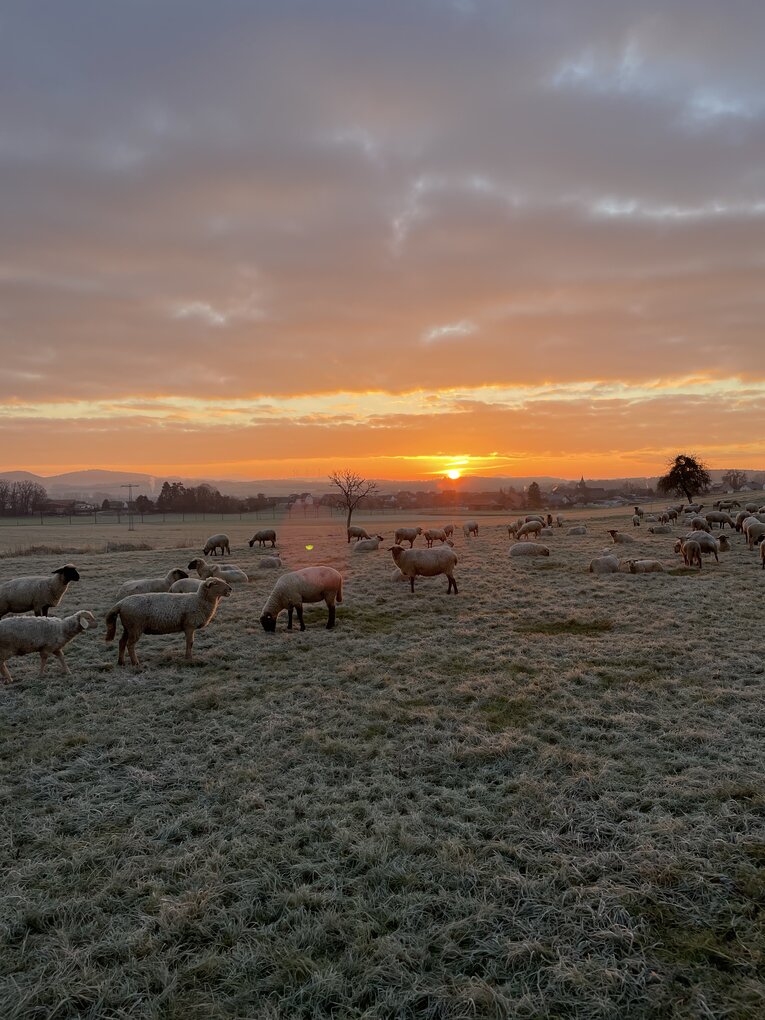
534 517
546 533
635 521
435 535
186 584
165 613
754 530
707 544
700 524
529 528
228 571
721 518
406 535
660 529
263 536
269 563
148 584
560 521
619 538
357 532
580 529
529 549
470 528
512 529
215 542
449 530
44 635
691 551
646 567
426 563
608 564
639 511
368 544
38 593
311 584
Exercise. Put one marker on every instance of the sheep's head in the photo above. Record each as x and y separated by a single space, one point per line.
86 619
633 568
195 564
379 538
268 620
67 573
178 574
251 543
613 533
216 587
396 550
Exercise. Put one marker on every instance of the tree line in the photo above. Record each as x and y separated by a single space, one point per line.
17 499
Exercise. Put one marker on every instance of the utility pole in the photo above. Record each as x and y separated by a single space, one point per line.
130 486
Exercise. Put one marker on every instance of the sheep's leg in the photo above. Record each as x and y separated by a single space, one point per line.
331 618
189 644
452 584
123 645
43 660
131 650
299 611
60 656
411 582
290 610
7 678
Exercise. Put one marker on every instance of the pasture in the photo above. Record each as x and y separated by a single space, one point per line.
542 797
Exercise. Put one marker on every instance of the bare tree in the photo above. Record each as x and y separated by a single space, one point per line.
353 489
734 479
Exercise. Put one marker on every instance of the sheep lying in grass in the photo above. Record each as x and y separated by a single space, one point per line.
45 635
529 549
165 613
660 529
368 544
580 529
263 536
608 564
470 528
311 584
269 563
426 563
38 593
357 532
646 567
148 584
619 538
216 542
227 571
406 535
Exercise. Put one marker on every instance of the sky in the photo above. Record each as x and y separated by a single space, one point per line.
271 239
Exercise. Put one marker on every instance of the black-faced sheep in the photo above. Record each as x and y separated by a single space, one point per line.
22 594
263 536
291 591
215 542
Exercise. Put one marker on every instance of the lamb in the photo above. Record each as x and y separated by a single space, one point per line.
635 521
435 535
608 564
406 535
354 531
149 584
368 544
215 542
263 536
660 529
618 538
269 563
426 563
38 593
165 613
691 553
470 528
311 584
646 567
186 584
531 528
529 549
229 572
580 529
44 635
449 530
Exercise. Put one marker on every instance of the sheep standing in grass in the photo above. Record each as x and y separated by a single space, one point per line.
700 524
368 544
215 542
470 528
45 635
357 532
449 530
639 511
406 535
559 521
148 584
721 518
311 584
691 553
38 593
263 536
754 530
228 572
435 535
165 613
762 554
635 521
529 528
426 563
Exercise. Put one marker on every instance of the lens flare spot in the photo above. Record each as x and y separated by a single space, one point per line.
309 547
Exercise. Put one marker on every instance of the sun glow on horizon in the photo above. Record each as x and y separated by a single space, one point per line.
454 474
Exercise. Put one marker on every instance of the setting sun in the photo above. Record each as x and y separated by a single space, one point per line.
454 474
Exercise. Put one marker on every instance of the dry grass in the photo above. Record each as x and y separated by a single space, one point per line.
542 797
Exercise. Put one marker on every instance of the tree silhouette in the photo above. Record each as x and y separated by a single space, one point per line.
353 489
687 475
534 496
734 479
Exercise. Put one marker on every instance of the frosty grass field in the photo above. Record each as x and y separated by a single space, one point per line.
542 797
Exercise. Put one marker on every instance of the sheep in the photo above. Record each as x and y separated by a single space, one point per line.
608 564
751 507
406 535
44 635
529 549
742 516
663 518
40 593
691 553
694 508
650 518
618 538
700 524
531 528
269 563
426 563
660 529
512 529
671 514
719 517
149 584
368 544
229 572
635 521
646 567
580 529
755 531
186 584
470 528
263 536
311 584
435 535
707 544
164 613
449 530
559 521
546 533
638 511
357 532
215 542
534 517
762 554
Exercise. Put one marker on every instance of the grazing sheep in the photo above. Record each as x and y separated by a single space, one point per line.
742 516
148 584
449 530
263 536
40 593
44 635
215 542
357 532
165 613
435 535
750 507
269 563
311 584
694 508
754 530
660 529
700 524
618 538
530 528
706 543
186 584
608 564
426 563
368 544
529 549
691 553
229 572
663 518
470 528
639 511
406 535
512 529
560 521
718 517
635 521
671 514
646 567
580 529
